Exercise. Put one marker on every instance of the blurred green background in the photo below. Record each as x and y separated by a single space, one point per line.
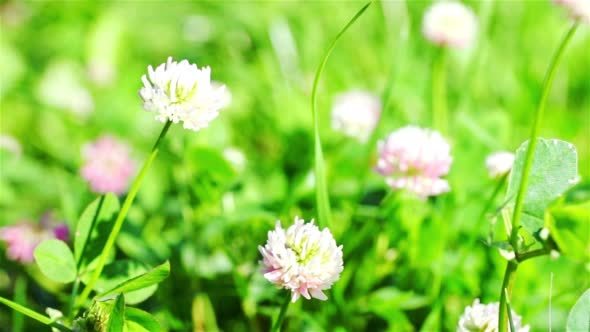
70 72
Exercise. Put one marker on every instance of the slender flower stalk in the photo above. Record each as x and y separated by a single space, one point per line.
281 317
121 216
92 225
439 93
528 163
322 200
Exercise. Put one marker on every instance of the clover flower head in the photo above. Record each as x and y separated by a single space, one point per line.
449 23
415 159
499 163
480 317
23 237
577 9
182 92
108 166
11 144
302 259
356 113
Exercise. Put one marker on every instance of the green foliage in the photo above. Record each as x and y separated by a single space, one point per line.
26 311
385 300
121 271
578 318
554 170
322 198
56 261
140 321
569 226
116 322
142 281
203 314
98 217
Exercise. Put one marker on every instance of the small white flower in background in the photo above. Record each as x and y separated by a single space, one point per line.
415 159
302 259
499 164
197 28
101 72
61 87
236 157
10 144
226 96
356 113
449 23
480 317
577 9
182 92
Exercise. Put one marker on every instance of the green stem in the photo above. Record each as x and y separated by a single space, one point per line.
20 296
121 217
277 324
322 199
72 304
509 310
528 162
531 254
34 315
507 284
439 93
493 196
89 235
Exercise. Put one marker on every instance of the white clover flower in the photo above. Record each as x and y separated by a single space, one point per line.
236 157
499 164
356 113
181 92
449 23
577 9
484 318
11 144
62 86
302 259
415 159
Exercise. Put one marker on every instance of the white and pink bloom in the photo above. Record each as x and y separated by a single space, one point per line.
449 23
484 318
356 113
499 163
415 159
577 9
23 237
108 166
182 92
302 259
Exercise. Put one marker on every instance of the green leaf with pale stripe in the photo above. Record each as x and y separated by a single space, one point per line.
147 279
554 170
